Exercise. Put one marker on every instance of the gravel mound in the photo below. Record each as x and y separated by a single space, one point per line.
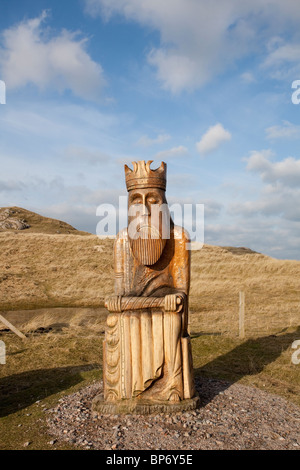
231 416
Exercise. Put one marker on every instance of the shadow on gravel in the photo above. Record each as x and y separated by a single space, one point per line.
249 358
21 390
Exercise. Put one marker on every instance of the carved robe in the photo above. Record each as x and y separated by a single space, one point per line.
147 352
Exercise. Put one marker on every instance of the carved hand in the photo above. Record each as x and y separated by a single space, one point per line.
113 304
172 301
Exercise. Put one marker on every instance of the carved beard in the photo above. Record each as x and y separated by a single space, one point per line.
149 245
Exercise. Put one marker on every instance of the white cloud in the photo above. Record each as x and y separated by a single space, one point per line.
58 123
146 141
200 39
86 155
212 208
285 172
171 153
176 71
29 55
285 53
278 203
248 77
269 220
283 61
80 216
265 235
10 186
212 139
286 131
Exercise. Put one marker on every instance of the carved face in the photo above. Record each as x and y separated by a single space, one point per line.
147 224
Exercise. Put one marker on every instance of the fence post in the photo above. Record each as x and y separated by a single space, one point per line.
12 327
242 315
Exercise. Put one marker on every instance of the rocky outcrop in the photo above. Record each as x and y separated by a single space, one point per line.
9 222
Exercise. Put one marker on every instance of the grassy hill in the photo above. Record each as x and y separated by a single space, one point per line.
37 223
40 270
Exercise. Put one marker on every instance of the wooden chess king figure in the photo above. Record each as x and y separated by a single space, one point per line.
147 361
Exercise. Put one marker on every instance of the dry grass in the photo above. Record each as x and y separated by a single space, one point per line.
52 287
37 373
271 289
43 271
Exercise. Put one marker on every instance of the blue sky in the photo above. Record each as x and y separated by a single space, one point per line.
204 86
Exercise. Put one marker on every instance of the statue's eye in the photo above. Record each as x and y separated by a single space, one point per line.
151 200
137 200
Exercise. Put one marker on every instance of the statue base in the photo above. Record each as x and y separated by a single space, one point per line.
143 407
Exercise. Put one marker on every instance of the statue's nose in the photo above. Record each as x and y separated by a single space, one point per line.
145 210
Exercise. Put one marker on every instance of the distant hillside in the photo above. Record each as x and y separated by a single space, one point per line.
44 270
239 250
16 218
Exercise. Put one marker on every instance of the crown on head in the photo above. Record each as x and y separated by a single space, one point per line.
143 177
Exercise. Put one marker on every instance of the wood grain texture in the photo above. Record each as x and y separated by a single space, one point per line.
147 347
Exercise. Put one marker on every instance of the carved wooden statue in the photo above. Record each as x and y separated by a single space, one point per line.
147 361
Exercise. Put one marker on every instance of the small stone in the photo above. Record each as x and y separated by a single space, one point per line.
26 444
52 442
